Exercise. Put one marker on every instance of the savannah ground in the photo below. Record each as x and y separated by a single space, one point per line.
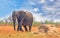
7 31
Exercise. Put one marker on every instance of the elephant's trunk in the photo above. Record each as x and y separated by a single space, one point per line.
14 19
14 24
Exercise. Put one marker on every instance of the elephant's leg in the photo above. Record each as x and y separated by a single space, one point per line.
20 21
30 26
25 27
14 25
19 27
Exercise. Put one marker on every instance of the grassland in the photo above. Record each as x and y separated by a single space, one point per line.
6 31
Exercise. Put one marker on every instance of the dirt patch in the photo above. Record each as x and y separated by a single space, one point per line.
9 29
50 29
8 32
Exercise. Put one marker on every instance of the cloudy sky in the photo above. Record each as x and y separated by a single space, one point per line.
42 9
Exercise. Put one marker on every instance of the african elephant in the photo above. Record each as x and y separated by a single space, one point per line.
24 18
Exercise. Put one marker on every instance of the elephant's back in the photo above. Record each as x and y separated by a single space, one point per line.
29 15
29 18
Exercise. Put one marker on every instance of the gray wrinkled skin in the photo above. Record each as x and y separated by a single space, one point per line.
24 18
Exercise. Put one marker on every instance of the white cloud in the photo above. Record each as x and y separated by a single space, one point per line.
42 1
40 18
51 0
35 9
37 17
53 10
49 9
56 20
32 3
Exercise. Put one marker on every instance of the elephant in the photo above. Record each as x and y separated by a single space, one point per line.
24 18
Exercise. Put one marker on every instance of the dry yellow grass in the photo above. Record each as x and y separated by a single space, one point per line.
8 32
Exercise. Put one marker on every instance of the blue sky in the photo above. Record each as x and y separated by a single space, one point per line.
6 6
41 9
